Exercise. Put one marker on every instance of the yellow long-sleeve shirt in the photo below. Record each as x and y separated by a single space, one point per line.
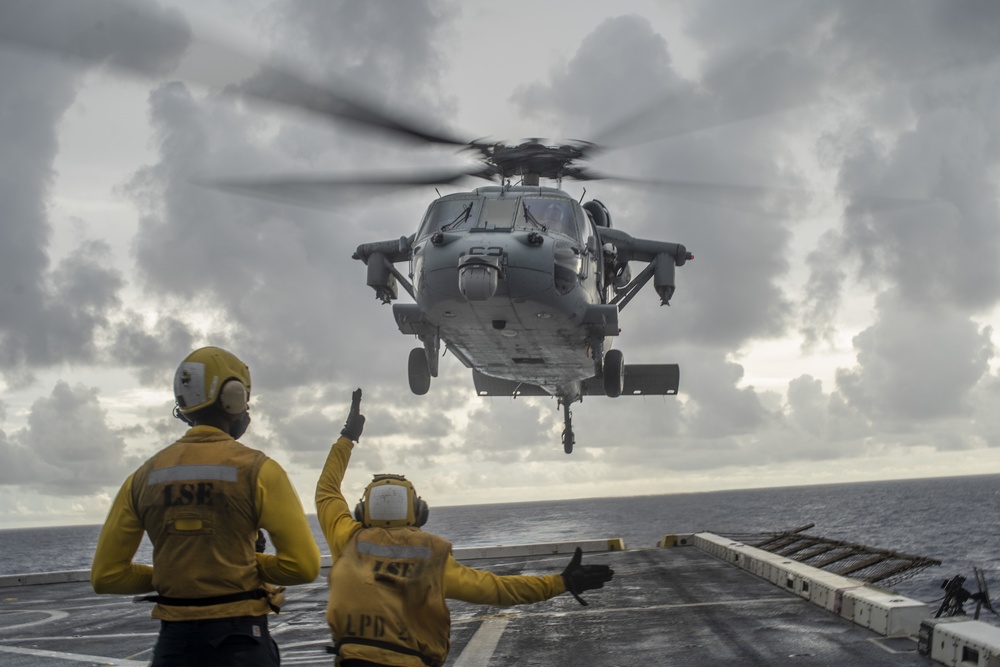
280 513
460 582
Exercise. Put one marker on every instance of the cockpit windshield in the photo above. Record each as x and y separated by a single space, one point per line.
554 215
450 214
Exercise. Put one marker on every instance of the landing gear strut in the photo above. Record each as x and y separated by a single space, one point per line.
568 438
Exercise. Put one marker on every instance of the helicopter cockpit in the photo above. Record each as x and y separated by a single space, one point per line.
555 215
558 215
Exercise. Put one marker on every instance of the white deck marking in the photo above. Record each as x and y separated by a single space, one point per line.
600 611
480 648
77 657
52 616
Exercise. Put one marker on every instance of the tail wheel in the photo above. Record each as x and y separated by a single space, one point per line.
614 373
418 371
569 439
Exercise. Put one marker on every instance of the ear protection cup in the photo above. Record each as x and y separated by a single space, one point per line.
234 397
359 511
421 511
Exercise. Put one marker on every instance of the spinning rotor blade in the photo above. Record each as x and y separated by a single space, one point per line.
89 26
324 191
279 86
683 112
747 197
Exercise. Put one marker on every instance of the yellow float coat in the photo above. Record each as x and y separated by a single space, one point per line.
202 500
358 594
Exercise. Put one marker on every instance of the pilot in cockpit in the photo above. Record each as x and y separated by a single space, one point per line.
555 215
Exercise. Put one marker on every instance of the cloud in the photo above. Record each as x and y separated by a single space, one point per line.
67 447
51 317
917 365
619 67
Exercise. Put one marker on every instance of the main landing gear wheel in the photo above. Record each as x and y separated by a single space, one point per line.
418 371
614 373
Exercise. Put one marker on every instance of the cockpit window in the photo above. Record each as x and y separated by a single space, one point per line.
555 215
450 214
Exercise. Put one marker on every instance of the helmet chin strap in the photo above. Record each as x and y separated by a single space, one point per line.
180 415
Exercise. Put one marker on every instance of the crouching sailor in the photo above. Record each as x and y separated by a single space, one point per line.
389 579
202 501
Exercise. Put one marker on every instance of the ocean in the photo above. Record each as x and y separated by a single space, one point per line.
951 519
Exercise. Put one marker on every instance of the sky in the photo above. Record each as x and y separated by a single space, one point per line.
838 322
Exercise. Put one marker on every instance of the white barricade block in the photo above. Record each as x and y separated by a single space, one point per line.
888 614
826 590
960 642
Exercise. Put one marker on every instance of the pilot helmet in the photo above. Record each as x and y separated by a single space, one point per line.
390 501
554 210
211 374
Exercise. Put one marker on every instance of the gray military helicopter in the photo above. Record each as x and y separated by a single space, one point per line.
524 285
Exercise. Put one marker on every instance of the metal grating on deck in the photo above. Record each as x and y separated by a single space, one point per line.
858 561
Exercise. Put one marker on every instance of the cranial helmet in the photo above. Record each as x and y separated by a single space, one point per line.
390 501
554 210
211 374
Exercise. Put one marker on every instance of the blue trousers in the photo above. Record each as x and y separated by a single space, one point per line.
241 641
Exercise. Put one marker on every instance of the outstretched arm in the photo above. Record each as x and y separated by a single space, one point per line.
471 585
481 587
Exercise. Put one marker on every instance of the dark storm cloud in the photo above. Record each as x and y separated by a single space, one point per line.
134 35
619 68
47 317
67 447
394 50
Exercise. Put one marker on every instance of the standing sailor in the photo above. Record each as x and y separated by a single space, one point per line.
389 579
202 501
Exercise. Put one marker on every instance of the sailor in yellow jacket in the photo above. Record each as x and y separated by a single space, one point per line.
202 501
389 579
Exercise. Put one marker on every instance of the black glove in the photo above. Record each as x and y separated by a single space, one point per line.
355 423
579 578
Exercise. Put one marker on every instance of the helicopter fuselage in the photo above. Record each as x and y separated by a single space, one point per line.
523 284
516 306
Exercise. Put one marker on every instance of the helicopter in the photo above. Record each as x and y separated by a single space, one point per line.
524 285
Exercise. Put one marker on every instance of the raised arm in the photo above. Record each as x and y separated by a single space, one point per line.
332 510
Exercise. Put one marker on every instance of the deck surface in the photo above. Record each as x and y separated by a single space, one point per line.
675 606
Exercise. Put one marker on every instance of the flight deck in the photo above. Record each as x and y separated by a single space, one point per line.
710 601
